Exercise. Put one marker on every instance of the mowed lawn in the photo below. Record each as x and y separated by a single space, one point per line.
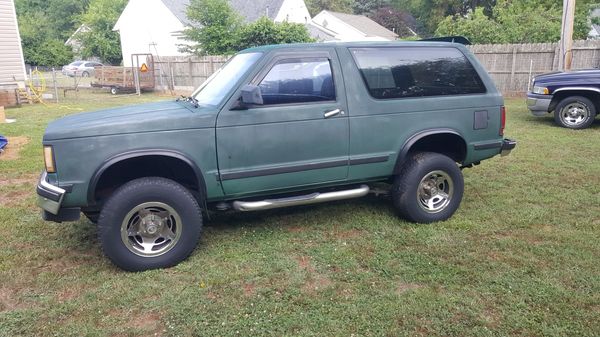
520 257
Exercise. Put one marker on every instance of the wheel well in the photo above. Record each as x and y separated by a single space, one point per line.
559 96
145 166
448 144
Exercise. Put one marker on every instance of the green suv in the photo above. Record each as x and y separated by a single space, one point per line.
276 126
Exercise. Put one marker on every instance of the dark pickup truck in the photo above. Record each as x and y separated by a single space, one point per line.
573 96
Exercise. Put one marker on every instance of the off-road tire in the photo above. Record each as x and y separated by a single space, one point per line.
130 197
407 190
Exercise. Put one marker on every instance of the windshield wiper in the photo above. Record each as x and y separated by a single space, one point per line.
189 99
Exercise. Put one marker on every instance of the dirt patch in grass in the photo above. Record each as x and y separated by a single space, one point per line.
404 287
13 198
28 179
15 144
8 302
315 281
249 289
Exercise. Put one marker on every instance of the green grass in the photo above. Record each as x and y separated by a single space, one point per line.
520 257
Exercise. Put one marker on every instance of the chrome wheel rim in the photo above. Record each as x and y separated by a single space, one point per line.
435 191
151 229
574 114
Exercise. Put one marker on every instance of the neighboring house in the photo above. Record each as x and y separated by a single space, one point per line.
74 40
12 66
350 27
155 26
594 33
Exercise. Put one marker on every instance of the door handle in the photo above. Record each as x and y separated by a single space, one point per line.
333 113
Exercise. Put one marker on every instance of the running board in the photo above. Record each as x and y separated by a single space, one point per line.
313 198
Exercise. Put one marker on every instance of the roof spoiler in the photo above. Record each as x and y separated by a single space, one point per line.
453 39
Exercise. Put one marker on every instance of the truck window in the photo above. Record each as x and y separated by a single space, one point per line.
416 72
298 81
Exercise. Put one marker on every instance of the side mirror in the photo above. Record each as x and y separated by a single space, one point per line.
251 95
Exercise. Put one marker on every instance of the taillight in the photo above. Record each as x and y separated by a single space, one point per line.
502 120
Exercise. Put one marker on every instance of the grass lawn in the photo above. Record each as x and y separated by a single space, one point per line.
520 257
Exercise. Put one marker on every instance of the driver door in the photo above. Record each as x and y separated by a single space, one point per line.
298 137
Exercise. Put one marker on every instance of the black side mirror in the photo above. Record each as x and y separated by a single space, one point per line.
251 95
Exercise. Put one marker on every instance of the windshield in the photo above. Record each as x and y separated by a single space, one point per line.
78 63
213 91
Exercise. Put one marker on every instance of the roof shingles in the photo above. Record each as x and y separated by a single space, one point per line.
250 10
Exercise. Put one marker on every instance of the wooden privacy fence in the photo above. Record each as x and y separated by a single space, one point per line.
185 72
512 65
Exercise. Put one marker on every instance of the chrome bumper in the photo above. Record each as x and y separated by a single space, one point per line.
50 197
538 106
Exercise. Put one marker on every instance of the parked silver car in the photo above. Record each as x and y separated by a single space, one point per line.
80 68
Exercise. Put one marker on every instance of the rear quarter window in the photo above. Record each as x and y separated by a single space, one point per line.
401 72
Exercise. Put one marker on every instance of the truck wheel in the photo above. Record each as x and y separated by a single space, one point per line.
429 188
149 223
114 90
575 112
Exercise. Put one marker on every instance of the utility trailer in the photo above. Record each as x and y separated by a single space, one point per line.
126 79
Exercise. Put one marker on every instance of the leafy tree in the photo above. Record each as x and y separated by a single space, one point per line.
368 6
342 6
101 41
400 22
431 12
527 21
44 26
476 26
218 30
215 30
265 32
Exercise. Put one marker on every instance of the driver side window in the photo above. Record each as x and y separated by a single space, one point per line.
298 81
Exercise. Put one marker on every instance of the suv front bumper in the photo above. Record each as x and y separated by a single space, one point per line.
50 199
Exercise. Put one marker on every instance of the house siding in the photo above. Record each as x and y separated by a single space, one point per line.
148 26
12 67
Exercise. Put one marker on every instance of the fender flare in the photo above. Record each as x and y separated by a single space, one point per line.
403 154
144 153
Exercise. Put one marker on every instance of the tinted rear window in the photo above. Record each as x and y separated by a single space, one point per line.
416 72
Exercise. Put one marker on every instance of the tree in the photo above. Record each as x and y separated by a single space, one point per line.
342 6
476 26
215 30
44 26
101 41
527 21
265 32
368 6
218 30
431 12
400 22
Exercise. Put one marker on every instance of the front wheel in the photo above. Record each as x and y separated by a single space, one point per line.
575 112
149 223
429 188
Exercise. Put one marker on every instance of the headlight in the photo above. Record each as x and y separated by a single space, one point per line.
541 90
49 159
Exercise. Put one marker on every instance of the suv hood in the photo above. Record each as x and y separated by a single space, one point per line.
161 116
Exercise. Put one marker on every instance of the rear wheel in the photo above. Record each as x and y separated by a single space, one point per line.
114 90
149 223
85 74
575 112
429 188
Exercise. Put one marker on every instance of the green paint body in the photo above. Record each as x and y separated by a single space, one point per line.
222 141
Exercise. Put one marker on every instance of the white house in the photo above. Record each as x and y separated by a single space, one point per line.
155 26
349 27
12 67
